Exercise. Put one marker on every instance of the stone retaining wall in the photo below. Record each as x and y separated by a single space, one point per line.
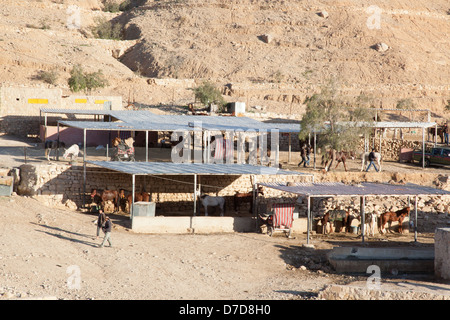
63 185
442 253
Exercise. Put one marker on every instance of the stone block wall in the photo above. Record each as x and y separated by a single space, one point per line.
62 185
20 106
442 253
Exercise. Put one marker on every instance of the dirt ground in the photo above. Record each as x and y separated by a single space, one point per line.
45 251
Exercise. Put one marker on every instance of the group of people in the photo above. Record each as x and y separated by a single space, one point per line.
305 152
104 223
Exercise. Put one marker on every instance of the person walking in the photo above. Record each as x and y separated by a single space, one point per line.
308 152
303 155
446 132
372 158
100 221
107 230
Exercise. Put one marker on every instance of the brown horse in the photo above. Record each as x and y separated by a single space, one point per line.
339 156
333 215
106 195
240 198
398 215
138 196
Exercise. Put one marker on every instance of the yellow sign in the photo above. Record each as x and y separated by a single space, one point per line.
100 101
38 101
80 100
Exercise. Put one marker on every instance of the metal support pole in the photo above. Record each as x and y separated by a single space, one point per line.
57 141
195 194
363 218
146 145
308 200
133 184
84 167
289 160
423 147
415 219
315 150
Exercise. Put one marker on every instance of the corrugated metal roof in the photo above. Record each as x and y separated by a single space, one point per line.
392 124
143 120
125 126
170 168
334 189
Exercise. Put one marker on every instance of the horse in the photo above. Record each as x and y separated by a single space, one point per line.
240 198
106 195
73 152
440 132
333 215
370 220
212 202
50 145
389 216
365 160
138 197
339 156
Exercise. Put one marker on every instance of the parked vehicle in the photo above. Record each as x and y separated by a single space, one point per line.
436 156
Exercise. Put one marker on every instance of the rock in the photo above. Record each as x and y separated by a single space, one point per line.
267 38
323 14
381 47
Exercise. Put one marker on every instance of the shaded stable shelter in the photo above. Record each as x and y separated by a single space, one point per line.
361 190
387 125
147 121
194 169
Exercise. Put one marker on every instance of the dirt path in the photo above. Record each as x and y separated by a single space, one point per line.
43 251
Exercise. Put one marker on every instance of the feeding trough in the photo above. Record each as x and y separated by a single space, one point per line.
389 260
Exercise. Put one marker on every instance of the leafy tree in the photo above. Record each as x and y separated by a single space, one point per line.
339 123
82 81
208 94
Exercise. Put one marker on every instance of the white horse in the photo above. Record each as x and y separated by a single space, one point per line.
365 160
73 152
370 220
213 201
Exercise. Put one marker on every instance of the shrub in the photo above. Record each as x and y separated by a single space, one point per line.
104 29
110 6
50 77
208 94
81 81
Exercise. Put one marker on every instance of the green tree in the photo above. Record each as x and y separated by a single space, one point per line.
339 123
82 81
208 94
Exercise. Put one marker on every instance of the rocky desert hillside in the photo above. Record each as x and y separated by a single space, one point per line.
267 53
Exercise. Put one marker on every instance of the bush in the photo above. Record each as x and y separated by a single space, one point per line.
208 94
110 6
50 77
81 81
105 29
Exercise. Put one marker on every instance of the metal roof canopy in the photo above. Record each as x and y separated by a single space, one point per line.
336 189
76 111
171 168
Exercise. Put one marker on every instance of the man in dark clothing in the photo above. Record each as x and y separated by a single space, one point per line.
446 132
308 152
107 230
372 158
100 221
303 155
